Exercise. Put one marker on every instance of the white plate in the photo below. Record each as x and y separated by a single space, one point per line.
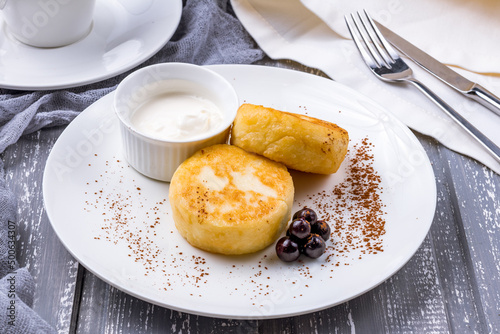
87 183
125 33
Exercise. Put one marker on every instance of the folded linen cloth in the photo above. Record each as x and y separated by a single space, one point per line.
208 33
313 33
459 32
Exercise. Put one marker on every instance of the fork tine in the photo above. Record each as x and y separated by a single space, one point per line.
369 56
383 43
372 41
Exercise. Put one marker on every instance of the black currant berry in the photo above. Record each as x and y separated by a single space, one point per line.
299 228
307 214
287 249
315 246
322 229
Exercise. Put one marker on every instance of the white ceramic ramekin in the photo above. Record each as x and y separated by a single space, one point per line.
159 158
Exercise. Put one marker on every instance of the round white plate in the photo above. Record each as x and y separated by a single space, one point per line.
125 33
117 223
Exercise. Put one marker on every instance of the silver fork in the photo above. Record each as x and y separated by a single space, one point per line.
387 65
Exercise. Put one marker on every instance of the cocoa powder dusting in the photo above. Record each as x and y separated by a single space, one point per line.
120 207
354 208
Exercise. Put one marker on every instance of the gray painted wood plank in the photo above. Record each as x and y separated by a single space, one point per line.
392 307
477 200
450 250
410 301
39 249
105 309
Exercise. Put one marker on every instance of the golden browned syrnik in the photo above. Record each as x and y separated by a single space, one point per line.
298 141
226 200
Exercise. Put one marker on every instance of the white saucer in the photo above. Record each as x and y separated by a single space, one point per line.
125 33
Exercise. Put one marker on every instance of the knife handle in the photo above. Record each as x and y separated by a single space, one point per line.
485 97
490 146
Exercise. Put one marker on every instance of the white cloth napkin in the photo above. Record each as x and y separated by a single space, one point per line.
457 32
313 33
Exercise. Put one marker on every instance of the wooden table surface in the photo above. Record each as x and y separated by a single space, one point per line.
451 285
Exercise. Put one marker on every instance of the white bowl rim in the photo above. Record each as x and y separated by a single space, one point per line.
227 122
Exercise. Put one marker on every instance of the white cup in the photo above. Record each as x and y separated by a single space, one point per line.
48 23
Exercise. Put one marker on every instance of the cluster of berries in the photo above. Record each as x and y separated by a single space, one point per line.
305 235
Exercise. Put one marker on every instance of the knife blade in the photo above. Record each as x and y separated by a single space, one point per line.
470 89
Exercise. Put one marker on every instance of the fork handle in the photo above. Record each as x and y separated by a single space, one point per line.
490 146
485 97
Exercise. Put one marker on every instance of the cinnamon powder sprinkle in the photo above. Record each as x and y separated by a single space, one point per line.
120 206
354 209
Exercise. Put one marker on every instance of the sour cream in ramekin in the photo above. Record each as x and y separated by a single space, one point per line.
169 111
177 116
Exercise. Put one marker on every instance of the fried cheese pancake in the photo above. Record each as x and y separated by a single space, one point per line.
298 141
226 200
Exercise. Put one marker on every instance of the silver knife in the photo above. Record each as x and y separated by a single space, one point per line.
443 72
